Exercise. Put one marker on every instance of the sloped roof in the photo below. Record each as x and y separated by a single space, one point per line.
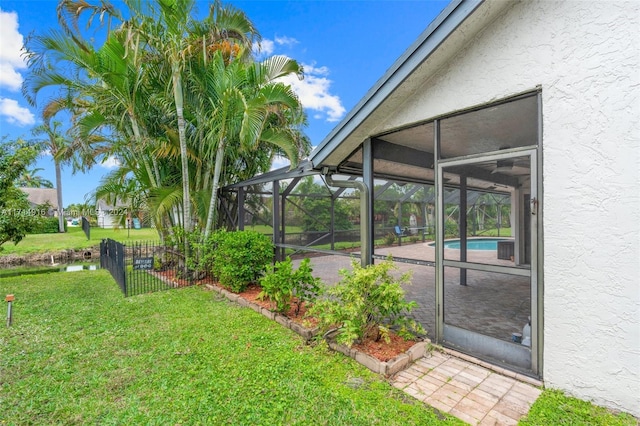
38 196
456 26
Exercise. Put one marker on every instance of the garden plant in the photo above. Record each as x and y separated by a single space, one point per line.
239 258
284 284
366 304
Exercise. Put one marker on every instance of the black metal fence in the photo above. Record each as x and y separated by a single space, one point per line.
86 227
143 267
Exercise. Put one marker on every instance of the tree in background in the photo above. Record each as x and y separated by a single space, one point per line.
315 208
87 210
30 179
141 91
16 216
58 146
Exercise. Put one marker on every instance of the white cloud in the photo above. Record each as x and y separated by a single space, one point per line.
314 89
15 114
265 48
286 41
279 162
10 54
314 93
110 163
9 77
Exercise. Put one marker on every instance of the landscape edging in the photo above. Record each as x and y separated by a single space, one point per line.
304 332
384 368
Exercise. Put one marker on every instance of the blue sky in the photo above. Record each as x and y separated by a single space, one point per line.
345 47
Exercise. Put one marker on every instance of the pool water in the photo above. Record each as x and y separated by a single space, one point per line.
474 244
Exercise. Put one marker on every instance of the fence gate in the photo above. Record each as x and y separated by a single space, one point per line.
143 267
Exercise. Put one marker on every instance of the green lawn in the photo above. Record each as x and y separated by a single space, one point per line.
74 238
81 353
555 408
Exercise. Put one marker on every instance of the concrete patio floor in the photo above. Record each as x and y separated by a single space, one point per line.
495 305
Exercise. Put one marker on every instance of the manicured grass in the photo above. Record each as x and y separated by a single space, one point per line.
74 238
555 408
81 353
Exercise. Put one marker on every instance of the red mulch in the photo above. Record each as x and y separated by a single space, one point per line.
385 351
251 294
170 275
381 350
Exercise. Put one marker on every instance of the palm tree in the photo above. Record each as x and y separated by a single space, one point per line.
247 106
171 33
30 179
133 98
58 145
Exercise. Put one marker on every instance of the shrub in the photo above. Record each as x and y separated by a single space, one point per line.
389 239
45 225
366 303
239 258
282 283
307 287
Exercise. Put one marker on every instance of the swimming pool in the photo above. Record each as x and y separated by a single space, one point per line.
474 244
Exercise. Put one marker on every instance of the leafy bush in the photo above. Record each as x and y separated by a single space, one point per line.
45 225
238 258
451 229
282 283
200 256
389 239
366 303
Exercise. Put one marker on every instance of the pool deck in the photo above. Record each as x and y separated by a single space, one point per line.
493 304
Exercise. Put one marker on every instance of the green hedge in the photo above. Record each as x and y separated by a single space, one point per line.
239 258
46 225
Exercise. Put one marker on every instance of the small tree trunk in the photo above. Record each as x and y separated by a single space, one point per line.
214 189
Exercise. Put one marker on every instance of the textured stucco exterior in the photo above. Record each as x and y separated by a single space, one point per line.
584 56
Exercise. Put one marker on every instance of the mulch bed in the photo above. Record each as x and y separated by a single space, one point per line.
170 276
381 350
251 294
385 351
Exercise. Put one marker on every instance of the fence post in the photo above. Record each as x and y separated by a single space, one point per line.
86 227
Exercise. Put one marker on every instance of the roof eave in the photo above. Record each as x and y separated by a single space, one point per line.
445 24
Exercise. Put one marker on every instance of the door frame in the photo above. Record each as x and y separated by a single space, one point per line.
523 358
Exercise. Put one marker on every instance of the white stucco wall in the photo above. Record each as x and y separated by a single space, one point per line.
585 56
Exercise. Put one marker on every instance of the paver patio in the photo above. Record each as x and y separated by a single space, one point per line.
467 390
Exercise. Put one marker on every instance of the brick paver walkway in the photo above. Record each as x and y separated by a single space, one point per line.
470 392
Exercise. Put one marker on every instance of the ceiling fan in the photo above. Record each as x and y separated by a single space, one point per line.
507 165
503 166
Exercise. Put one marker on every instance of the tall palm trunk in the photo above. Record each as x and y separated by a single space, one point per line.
214 188
179 100
59 196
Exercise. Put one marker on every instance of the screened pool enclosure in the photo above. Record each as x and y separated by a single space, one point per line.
470 175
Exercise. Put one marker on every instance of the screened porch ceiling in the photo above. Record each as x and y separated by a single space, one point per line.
407 154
